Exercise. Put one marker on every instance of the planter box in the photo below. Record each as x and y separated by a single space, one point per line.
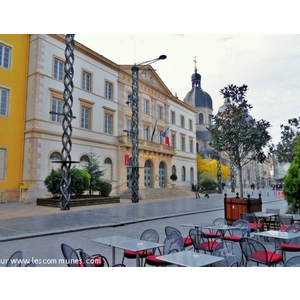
234 206
75 202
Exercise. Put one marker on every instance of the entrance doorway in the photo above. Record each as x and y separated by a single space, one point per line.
148 174
162 173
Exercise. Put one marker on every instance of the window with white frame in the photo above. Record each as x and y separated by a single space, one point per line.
183 143
191 146
108 123
108 168
182 121
57 110
146 106
160 112
2 163
173 139
108 90
58 70
190 125
146 133
85 117
173 117
128 125
86 81
4 94
5 56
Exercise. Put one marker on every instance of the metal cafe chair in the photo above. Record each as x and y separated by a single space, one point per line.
150 235
293 261
96 260
202 242
243 230
187 240
232 253
71 256
15 259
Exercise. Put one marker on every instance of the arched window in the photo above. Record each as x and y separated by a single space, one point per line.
201 118
108 168
183 174
173 170
55 156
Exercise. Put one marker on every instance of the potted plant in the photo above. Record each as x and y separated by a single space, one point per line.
173 177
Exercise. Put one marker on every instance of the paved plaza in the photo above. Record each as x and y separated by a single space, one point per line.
39 231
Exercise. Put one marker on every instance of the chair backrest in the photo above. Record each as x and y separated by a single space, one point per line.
150 235
231 252
294 261
220 221
93 261
71 256
244 228
250 246
286 220
250 217
293 228
173 243
198 237
15 259
31 264
170 229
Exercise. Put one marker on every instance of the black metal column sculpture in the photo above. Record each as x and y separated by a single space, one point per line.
66 124
135 134
135 126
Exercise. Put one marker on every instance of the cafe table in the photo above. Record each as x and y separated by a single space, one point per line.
221 228
264 215
126 243
278 234
195 225
190 259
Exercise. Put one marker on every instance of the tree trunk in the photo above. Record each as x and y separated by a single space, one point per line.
241 182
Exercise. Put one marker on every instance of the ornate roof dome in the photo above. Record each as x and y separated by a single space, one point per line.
196 97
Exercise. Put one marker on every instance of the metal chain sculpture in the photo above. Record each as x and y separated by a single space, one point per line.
135 134
66 124
135 126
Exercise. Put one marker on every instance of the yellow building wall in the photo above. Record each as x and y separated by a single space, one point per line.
12 126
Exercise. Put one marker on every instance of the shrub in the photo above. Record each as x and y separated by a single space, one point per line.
173 177
105 188
80 181
208 184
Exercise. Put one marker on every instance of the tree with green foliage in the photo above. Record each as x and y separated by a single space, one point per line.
291 186
92 166
284 149
236 134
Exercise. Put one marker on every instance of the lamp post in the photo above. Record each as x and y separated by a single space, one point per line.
135 125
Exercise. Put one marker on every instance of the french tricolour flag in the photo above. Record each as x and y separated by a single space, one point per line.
165 135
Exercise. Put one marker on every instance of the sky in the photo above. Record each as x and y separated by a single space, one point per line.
269 64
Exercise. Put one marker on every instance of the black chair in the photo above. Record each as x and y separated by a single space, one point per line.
255 251
232 253
96 260
172 243
150 235
293 261
71 256
187 240
15 259
254 225
202 242
273 223
243 230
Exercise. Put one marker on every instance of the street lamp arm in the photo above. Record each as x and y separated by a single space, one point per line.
151 61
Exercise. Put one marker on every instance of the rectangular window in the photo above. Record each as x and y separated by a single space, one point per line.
190 125
159 137
2 163
182 121
5 54
191 146
173 117
183 143
85 117
129 99
108 90
4 102
129 126
108 124
146 107
57 109
173 140
58 69
86 81
160 112
146 133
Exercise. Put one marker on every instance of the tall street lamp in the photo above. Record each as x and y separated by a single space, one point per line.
135 125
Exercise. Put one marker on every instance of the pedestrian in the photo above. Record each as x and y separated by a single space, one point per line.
197 190
193 187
